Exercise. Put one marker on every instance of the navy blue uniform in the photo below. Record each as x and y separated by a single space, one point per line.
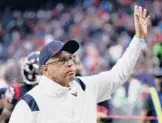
149 106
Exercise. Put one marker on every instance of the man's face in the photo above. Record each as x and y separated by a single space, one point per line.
61 68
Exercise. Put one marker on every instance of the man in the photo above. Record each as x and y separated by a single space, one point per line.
2 99
60 97
31 75
150 103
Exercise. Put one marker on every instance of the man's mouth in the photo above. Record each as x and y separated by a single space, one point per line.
71 72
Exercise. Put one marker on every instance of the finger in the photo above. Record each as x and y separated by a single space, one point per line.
148 19
140 11
136 10
144 13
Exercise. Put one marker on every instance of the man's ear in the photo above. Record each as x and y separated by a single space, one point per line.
44 69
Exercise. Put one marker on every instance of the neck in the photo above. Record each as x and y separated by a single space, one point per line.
63 84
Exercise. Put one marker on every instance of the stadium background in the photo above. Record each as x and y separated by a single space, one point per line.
104 28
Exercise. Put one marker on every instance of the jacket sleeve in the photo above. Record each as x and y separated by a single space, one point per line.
105 83
21 113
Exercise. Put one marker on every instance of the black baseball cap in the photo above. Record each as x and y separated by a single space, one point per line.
54 47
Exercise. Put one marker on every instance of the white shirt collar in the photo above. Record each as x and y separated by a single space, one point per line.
51 87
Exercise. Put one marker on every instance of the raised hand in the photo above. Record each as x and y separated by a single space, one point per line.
141 21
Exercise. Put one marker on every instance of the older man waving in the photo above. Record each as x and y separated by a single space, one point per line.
60 97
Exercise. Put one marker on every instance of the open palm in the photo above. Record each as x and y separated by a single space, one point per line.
141 21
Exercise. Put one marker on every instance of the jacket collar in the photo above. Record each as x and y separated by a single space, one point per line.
51 87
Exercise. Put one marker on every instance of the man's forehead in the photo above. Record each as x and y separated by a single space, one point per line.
62 54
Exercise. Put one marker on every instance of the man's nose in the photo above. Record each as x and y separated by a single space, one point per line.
70 63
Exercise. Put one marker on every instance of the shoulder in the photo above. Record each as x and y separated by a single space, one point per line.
81 83
31 102
21 113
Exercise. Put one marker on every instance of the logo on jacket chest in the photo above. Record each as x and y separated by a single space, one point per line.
74 94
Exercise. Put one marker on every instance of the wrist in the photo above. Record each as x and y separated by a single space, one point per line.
140 36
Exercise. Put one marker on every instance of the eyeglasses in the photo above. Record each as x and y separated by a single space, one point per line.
63 60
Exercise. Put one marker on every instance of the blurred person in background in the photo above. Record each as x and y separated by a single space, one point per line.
2 100
31 75
152 105
75 100
103 111
157 50
79 67
4 84
134 92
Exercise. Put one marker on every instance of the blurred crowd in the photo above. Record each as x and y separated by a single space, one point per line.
103 28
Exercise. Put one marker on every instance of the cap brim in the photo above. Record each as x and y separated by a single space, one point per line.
158 75
71 46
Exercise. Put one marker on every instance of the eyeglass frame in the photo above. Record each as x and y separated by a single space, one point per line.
66 59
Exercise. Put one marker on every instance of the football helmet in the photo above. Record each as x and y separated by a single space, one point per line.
31 73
